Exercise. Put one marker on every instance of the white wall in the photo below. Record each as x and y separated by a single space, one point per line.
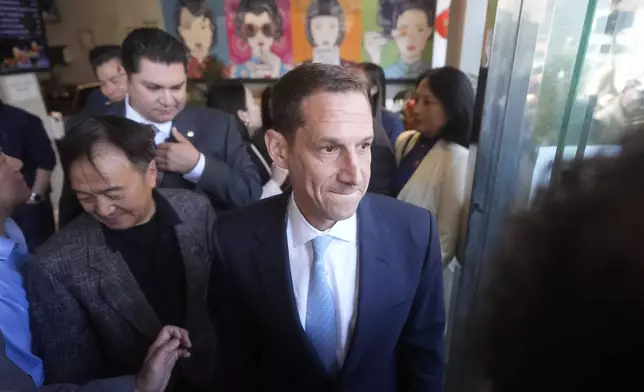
109 20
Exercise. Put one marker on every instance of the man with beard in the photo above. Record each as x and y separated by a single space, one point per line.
197 148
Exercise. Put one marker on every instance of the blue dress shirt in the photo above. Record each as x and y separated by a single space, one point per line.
14 308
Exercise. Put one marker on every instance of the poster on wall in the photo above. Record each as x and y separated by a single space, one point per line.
398 35
260 39
201 26
326 31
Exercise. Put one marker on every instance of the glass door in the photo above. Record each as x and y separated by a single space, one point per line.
565 81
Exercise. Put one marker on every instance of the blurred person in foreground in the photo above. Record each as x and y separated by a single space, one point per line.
565 311
197 148
20 368
101 288
327 287
23 136
233 97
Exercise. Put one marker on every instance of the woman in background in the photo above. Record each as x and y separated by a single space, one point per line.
233 97
391 122
432 161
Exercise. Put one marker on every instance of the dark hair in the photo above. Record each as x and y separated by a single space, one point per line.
376 76
153 44
455 92
100 55
565 310
228 95
265 105
304 81
257 7
390 11
198 8
325 8
134 139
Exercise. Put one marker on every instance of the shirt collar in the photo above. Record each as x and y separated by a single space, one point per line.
133 115
12 241
303 232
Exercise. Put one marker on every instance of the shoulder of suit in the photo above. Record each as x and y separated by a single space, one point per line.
66 245
254 212
408 221
186 202
17 113
204 112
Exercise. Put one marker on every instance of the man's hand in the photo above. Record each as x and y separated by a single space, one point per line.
179 157
171 344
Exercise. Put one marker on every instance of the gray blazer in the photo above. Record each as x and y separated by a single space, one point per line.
89 318
230 178
12 378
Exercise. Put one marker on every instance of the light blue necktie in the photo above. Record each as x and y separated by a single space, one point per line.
320 308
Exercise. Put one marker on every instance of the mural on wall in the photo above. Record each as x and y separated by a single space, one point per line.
326 31
398 35
259 38
201 26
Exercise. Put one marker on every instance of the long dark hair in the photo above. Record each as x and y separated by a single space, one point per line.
455 92
229 95
376 76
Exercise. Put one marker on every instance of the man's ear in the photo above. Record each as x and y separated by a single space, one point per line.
277 146
151 174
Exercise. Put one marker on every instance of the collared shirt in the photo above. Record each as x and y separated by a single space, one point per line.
163 134
341 265
14 308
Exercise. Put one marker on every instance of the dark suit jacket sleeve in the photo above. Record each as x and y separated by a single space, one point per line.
62 337
383 162
233 177
421 345
117 384
238 349
37 145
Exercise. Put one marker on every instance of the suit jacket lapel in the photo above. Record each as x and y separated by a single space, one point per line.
118 286
273 267
196 261
376 293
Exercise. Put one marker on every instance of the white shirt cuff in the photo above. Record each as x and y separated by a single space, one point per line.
195 174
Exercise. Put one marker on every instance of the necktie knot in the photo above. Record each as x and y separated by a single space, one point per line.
320 245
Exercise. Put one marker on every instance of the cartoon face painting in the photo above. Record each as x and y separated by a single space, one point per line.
259 32
196 32
409 23
411 34
259 24
196 28
325 31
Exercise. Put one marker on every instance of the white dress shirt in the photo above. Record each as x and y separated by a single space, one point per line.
164 132
341 265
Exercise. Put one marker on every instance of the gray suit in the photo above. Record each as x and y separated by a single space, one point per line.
90 319
230 178
12 378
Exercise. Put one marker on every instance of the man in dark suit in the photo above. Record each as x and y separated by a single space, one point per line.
198 148
327 289
106 63
23 136
102 287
